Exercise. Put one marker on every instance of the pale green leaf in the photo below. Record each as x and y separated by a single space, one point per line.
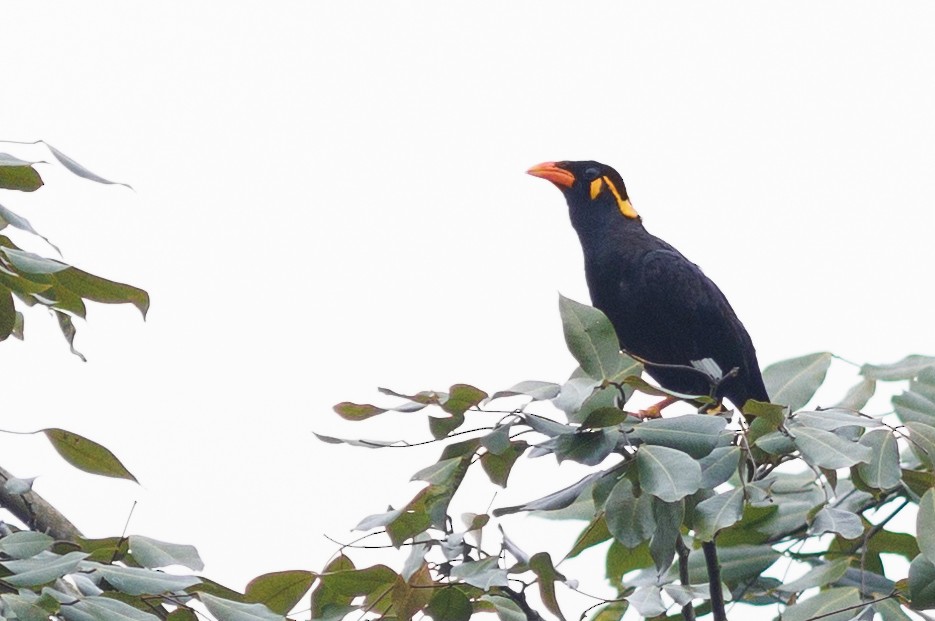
824 604
925 525
858 395
667 473
226 610
25 543
882 472
907 368
922 583
140 581
827 450
695 434
590 338
629 519
719 466
42 568
718 512
831 520
821 575
793 382
153 553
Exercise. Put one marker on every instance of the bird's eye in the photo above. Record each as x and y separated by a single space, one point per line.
591 174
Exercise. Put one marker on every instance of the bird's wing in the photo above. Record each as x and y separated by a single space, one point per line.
691 316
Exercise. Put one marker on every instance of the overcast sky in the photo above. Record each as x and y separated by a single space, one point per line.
330 197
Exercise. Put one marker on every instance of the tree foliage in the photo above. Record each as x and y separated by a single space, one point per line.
793 512
48 569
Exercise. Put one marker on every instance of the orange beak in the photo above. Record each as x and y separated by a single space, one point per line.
551 172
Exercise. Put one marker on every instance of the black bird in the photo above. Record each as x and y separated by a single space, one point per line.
664 309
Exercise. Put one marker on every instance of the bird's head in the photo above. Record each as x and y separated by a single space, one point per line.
588 184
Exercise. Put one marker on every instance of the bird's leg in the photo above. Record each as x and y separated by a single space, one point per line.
655 410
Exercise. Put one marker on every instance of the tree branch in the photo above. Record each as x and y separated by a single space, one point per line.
36 513
714 580
688 611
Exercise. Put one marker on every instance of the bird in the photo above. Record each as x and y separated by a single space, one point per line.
666 312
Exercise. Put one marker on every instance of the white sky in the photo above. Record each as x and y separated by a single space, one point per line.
331 198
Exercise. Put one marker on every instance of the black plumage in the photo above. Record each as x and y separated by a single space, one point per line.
662 306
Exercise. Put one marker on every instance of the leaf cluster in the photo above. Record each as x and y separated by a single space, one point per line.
800 491
36 280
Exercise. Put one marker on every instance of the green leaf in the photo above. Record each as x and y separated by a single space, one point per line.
17 174
590 338
91 287
482 574
593 534
737 563
821 575
440 473
227 610
629 519
669 517
613 611
498 440
43 569
441 427
912 407
498 467
695 434
7 313
541 565
667 473
25 543
882 472
833 419
647 601
768 415
719 466
824 449
718 512
25 609
605 417
86 455
925 525
621 560
449 604
357 411
907 368
139 581
108 609
537 391
831 520
858 396
506 609
76 168
326 598
461 398
924 383
793 382
922 442
922 583
280 591
585 447
556 500
824 604
68 331
31 263
154 554
17 221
